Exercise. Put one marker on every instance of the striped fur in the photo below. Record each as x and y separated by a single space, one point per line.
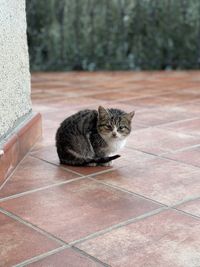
92 137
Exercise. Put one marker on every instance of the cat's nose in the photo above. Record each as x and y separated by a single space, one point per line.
114 134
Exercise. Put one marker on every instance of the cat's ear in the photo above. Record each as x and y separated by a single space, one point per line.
102 112
130 115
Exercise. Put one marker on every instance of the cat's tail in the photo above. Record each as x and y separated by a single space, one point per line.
85 162
102 160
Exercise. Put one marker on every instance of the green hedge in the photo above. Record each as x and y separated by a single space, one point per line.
113 34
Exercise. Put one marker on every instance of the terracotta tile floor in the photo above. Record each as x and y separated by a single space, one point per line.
142 212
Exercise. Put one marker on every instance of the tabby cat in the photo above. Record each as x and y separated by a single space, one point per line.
90 137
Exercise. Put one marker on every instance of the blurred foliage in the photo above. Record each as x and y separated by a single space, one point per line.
113 34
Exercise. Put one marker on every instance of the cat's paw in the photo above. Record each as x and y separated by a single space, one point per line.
107 164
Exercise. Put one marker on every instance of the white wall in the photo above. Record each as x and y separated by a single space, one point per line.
14 66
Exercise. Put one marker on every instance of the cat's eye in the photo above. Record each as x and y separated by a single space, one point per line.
121 128
108 127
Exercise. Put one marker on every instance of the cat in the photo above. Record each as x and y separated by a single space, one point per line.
91 138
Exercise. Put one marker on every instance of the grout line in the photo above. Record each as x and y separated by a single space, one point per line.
173 207
56 165
52 185
50 236
116 226
39 139
30 155
41 256
67 93
160 95
78 250
186 201
74 172
186 213
18 165
91 177
57 250
100 172
127 191
161 126
78 173
164 153
41 188
181 149
178 121
140 97
162 156
167 152
139 150
34 227
94 179
180 161
105 171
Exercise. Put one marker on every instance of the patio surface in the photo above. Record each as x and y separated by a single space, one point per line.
142 212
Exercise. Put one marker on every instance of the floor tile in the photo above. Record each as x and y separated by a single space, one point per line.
150 102
66 258
124 94
51 125
120 105
193 106
179 97
165 181
160 162
191 126
19 242
130 156
48 139
92 170
77 209
54 119
159 141
192 207
168 239
159 116
71 102
33 173
49 154
189 156
127 155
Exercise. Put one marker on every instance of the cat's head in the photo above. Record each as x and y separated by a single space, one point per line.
114 123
